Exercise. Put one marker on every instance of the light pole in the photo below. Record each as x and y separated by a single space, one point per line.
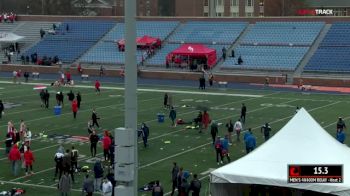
126 166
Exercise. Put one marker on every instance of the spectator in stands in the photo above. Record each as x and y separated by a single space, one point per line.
340 136
240 61
224 53
42 33
67 27
54 26
233 53
23 59
27 60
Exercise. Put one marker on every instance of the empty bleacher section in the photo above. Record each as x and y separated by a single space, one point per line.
8 27
215 35
275 45
267 57
208 32
70 45
106 51
30 30
333 55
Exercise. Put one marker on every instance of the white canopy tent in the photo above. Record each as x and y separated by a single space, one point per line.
8 37
301 141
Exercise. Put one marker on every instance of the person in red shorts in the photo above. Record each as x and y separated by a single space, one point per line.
106 142
75 108
28 160
97 86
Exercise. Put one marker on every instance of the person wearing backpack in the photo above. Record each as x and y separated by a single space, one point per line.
195 185
157 189
218 149
59 163
74 159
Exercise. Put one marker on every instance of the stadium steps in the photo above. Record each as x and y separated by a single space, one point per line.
8 27
172 33
234 46
312 50
31 32
94 46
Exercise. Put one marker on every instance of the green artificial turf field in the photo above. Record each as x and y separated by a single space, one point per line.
191 150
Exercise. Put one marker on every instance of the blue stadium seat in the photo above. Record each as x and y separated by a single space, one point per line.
70 45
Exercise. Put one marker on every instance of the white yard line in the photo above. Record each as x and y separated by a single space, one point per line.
87 110
152 90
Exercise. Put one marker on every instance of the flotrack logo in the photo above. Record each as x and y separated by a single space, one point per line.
315 12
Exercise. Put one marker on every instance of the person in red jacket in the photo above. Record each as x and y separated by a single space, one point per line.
205 120
75 108
28 160
106 142
97 86
15 158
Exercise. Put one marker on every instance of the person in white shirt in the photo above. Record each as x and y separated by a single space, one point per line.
238 128
106 187
28 136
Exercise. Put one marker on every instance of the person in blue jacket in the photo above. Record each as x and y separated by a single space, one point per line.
250 141
341 136
225 148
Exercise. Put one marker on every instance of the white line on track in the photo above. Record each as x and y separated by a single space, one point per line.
154 90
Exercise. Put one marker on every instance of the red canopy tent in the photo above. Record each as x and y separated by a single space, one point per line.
195 51
145 41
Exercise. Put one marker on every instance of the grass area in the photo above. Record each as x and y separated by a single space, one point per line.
188 148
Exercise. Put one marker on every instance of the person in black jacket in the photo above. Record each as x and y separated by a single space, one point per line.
70 96
46 98
174 173
243 113
2 108
195 185
214 131
8 143
78 99
94 118
93 143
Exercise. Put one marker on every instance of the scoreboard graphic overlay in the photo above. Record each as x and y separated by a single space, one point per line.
315 173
